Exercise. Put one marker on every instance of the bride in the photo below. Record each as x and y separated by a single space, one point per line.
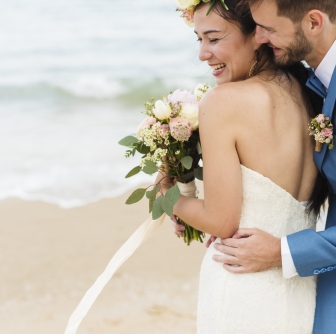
258 172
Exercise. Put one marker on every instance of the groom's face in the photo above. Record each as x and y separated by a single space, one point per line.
286 38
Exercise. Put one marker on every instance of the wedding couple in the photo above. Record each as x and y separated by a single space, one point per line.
263 182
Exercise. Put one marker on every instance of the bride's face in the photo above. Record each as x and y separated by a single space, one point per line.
228 52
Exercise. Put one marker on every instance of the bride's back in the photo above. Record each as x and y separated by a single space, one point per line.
272 132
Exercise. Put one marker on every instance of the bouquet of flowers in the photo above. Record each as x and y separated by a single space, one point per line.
168 139
322 130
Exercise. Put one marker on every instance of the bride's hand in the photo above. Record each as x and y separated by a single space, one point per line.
164 180
210 241
178 228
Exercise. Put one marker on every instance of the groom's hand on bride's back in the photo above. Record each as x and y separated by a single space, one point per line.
249 250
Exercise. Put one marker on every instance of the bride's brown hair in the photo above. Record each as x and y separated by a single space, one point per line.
239 13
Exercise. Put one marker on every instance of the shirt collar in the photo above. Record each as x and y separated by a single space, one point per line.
326 68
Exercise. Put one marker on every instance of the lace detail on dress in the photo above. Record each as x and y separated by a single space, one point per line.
262 302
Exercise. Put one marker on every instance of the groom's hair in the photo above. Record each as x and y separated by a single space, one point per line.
295 10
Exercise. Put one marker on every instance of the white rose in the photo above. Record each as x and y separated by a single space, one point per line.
185 4
162 110
190 112
200 90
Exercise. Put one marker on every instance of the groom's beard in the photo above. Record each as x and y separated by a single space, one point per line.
296 51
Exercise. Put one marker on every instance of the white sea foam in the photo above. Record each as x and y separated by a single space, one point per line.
73 80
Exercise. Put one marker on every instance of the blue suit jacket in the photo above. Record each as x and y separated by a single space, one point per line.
314 253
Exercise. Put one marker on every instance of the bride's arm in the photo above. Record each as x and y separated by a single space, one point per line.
219 213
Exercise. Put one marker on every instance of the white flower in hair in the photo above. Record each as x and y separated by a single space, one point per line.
186 4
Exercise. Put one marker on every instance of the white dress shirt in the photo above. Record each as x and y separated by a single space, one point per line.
324 72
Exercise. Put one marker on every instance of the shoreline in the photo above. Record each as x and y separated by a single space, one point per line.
51 256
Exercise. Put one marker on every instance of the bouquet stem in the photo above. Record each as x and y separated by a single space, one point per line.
318 146
191 233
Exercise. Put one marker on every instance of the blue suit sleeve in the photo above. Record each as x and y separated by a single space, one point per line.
313 252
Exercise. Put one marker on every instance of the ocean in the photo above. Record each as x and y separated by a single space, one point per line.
74 75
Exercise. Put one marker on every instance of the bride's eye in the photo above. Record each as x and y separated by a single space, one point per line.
199 40
214 40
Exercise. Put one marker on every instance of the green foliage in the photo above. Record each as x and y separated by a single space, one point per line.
187 162
136 196
198 172
142 148
173 194
134 171
150 167
151 195
199 148
130 153
128 141
157 209
167 206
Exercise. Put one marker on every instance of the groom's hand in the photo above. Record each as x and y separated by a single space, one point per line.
249 250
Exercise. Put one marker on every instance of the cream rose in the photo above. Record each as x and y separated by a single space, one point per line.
161 110
190 113
185 4
200 90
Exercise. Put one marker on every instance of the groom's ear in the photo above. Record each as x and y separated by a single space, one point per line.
313 23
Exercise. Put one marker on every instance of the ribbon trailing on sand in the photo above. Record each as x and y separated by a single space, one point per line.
125 251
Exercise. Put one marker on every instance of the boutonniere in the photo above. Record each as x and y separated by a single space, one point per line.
321 128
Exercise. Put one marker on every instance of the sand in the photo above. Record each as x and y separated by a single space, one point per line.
51 256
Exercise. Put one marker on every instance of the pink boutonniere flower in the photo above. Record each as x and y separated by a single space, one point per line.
321 128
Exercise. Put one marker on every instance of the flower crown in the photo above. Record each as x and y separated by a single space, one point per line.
187 7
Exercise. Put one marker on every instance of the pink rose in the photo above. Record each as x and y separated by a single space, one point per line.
327 132
180 128
320 118
183 97
164 128
145 124
151 120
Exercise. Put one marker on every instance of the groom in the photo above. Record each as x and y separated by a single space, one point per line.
296 30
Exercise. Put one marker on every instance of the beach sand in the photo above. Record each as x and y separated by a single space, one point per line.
51 256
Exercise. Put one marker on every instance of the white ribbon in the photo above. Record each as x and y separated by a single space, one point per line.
126 250
187 189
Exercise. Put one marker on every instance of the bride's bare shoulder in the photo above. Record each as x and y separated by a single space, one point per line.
231 99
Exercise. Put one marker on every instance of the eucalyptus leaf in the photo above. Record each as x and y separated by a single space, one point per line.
134 171
173 194
136 196
167 206
199 148
142 148
198 172
128 141
153 192
187 162
151 195
150 167
157 209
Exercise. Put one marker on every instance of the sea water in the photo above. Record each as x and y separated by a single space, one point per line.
74 75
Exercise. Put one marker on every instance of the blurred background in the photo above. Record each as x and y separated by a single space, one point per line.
74 75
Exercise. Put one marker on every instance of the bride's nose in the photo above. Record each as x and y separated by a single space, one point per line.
204 53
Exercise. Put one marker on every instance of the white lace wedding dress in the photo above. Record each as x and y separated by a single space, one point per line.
264 302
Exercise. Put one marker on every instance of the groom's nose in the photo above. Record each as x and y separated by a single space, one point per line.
260 35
